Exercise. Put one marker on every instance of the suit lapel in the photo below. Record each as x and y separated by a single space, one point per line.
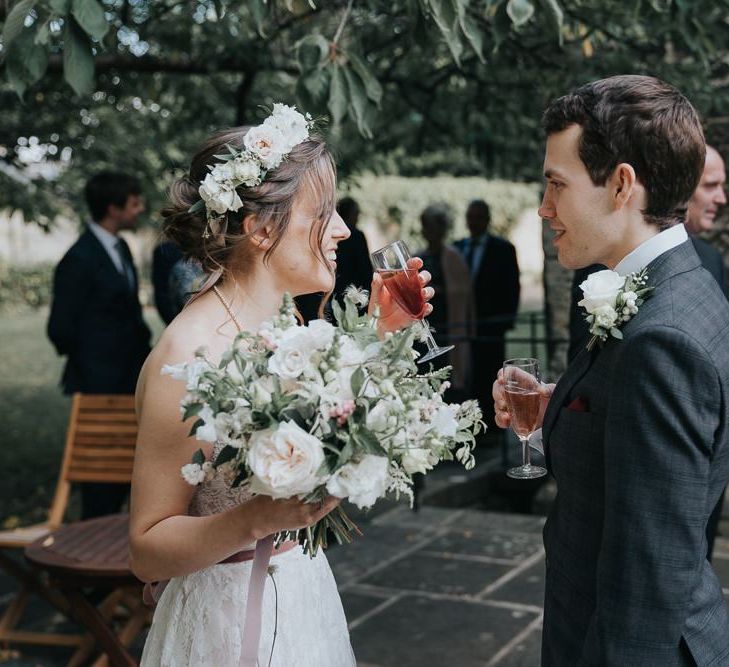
677 260
106 261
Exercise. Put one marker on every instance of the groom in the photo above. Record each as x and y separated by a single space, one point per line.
636 432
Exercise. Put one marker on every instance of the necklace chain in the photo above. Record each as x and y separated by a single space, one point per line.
227 307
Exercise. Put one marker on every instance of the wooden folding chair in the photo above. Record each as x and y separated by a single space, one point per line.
99 447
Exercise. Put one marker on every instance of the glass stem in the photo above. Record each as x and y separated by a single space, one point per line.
429 340
525 453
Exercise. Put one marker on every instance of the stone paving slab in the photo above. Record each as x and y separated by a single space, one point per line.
415 631
440 587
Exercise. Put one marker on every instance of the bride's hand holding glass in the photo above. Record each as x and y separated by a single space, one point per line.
392 316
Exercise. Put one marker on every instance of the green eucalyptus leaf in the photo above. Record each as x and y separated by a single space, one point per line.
198 457
197 207
226 454
192 410
196 426
91 18
359 377
15 21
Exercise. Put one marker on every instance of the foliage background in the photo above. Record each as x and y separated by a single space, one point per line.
409 87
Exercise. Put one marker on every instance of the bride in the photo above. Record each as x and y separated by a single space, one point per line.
262 222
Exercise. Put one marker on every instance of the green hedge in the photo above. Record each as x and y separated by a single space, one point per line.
25 287
395 202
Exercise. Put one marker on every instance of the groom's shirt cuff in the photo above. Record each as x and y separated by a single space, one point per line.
535 441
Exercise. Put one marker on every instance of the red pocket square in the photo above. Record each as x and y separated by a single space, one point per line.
578 404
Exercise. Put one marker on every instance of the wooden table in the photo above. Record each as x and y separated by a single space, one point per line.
93 554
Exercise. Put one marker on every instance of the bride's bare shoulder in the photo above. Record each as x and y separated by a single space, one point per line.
195 327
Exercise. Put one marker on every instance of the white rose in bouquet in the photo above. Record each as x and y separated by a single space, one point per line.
285 461
322 332
362 483
418 459
293 353
260 392
600 289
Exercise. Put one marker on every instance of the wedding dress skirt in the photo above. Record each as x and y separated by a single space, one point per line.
199 618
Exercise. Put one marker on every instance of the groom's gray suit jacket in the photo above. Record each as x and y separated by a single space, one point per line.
637 436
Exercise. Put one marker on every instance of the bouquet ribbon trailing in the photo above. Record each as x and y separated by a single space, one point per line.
254 603
261 557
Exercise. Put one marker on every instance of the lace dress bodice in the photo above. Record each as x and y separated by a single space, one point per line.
216 495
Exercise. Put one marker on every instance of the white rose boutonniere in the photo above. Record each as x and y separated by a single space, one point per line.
610 301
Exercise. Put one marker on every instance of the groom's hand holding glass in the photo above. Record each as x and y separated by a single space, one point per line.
501 405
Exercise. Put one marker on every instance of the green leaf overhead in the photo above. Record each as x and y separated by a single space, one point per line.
90 16
15 21
78 59
519 11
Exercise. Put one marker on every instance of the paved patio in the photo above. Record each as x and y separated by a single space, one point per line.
437 587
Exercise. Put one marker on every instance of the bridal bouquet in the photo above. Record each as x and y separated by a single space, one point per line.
323 409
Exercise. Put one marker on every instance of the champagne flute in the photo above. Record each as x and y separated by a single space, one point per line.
403 283
521 385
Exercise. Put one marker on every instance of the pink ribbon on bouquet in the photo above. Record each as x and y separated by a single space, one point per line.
254 603
261 557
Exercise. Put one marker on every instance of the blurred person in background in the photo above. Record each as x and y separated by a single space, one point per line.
452 317
96 318
494 272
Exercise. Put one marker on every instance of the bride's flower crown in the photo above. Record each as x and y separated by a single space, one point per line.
265 147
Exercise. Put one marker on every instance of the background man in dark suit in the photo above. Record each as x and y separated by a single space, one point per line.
703 206
495 280
96 319
636 433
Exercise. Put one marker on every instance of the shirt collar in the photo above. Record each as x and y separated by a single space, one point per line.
647 251
106 238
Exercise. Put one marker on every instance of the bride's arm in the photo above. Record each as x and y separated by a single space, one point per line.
164 541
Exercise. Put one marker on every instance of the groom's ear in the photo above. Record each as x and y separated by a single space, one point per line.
624 183
260 235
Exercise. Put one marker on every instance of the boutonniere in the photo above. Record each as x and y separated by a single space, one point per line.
610 301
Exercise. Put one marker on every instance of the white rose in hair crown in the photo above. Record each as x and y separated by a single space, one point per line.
610 301
323 409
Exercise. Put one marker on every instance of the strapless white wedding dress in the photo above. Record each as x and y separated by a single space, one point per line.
199 618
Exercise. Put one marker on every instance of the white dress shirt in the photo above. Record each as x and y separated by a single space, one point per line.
479 248
109 241
633 262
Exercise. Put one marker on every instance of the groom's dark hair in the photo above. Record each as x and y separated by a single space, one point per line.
644 122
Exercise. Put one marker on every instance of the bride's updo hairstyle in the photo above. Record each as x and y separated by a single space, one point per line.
308 167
